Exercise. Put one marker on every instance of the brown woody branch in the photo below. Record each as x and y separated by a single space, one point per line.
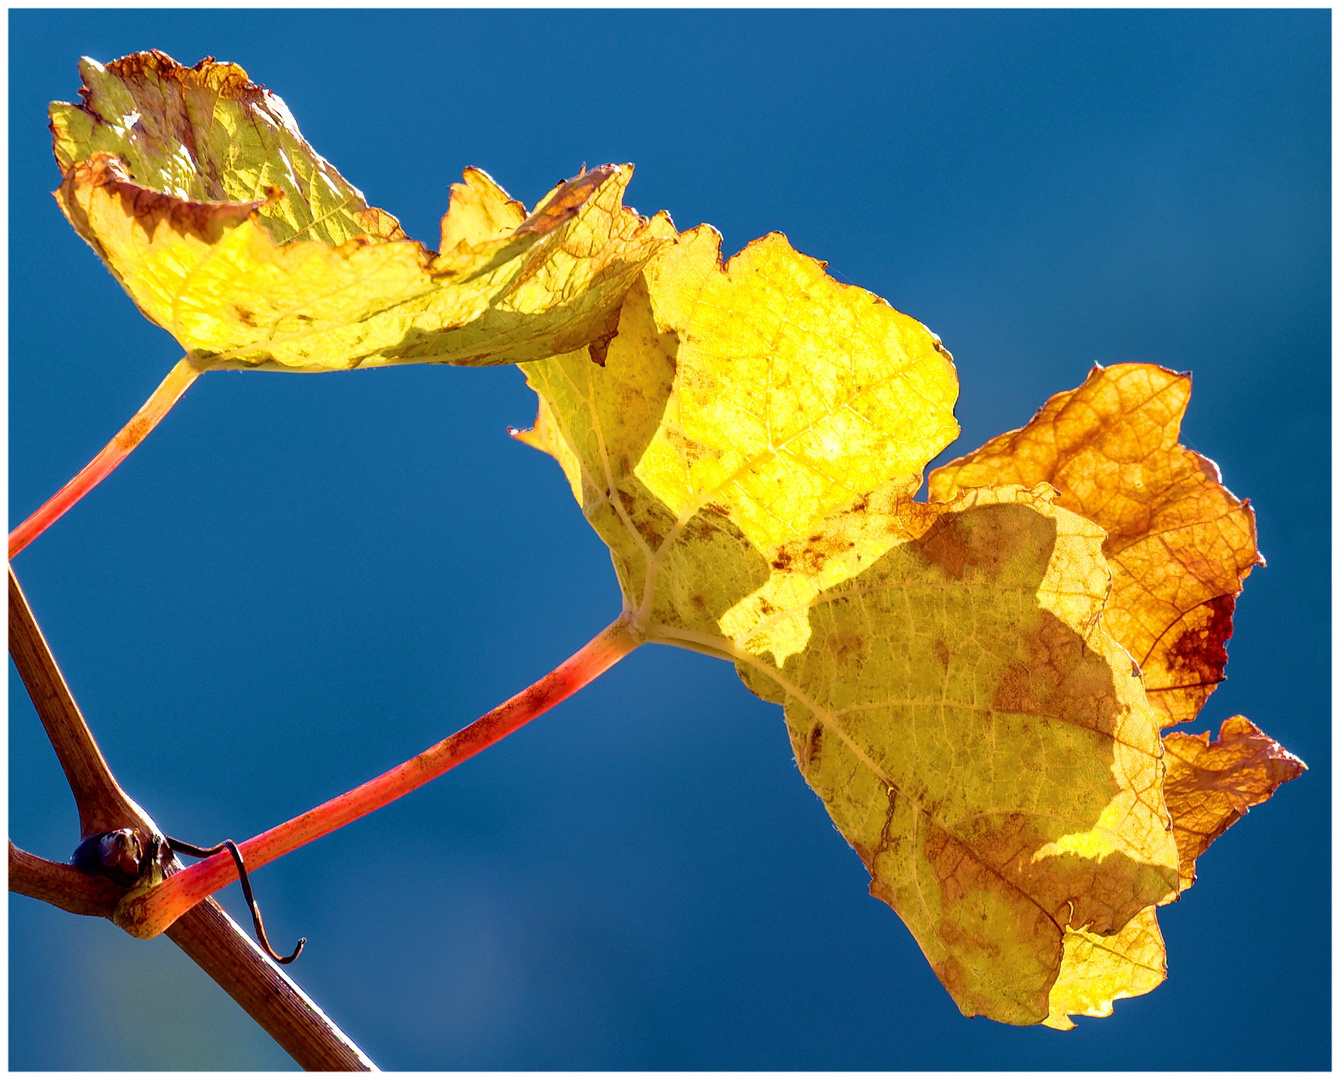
61 884
103 806
206 933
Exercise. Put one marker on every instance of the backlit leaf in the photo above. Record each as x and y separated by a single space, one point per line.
747 438
1178 541
709 439
749 451
1098 970
984 745
196 189
1179 544
1210 785
208 134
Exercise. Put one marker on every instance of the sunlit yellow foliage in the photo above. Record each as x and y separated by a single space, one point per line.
739 434
1179 545
957 676
749 452
1099 970
208 134
198 192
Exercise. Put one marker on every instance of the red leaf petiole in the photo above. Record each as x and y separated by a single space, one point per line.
109 457
152 912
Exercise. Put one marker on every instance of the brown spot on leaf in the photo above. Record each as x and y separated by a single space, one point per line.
1200 647
845 646
206 220
599 349
977 543
943 545
814 744
567 200
812 554
1057 676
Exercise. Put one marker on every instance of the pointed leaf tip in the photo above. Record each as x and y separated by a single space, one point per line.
1212 784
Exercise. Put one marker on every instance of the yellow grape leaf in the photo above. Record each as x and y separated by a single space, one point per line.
748 452
208 134
1179 542
196 189
1099 970
984 745
710 439
1208 787
1211 785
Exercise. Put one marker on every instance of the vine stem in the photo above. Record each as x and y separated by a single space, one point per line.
109 457
152 912
102 804
206 934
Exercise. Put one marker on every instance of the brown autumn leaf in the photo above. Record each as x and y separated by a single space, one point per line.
1179 542
1210 785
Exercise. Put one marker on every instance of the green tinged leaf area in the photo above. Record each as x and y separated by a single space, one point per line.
198 192
749 452
208 134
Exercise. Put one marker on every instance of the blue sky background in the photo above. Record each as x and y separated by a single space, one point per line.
298 582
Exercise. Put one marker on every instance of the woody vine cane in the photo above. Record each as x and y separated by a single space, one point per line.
206 934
